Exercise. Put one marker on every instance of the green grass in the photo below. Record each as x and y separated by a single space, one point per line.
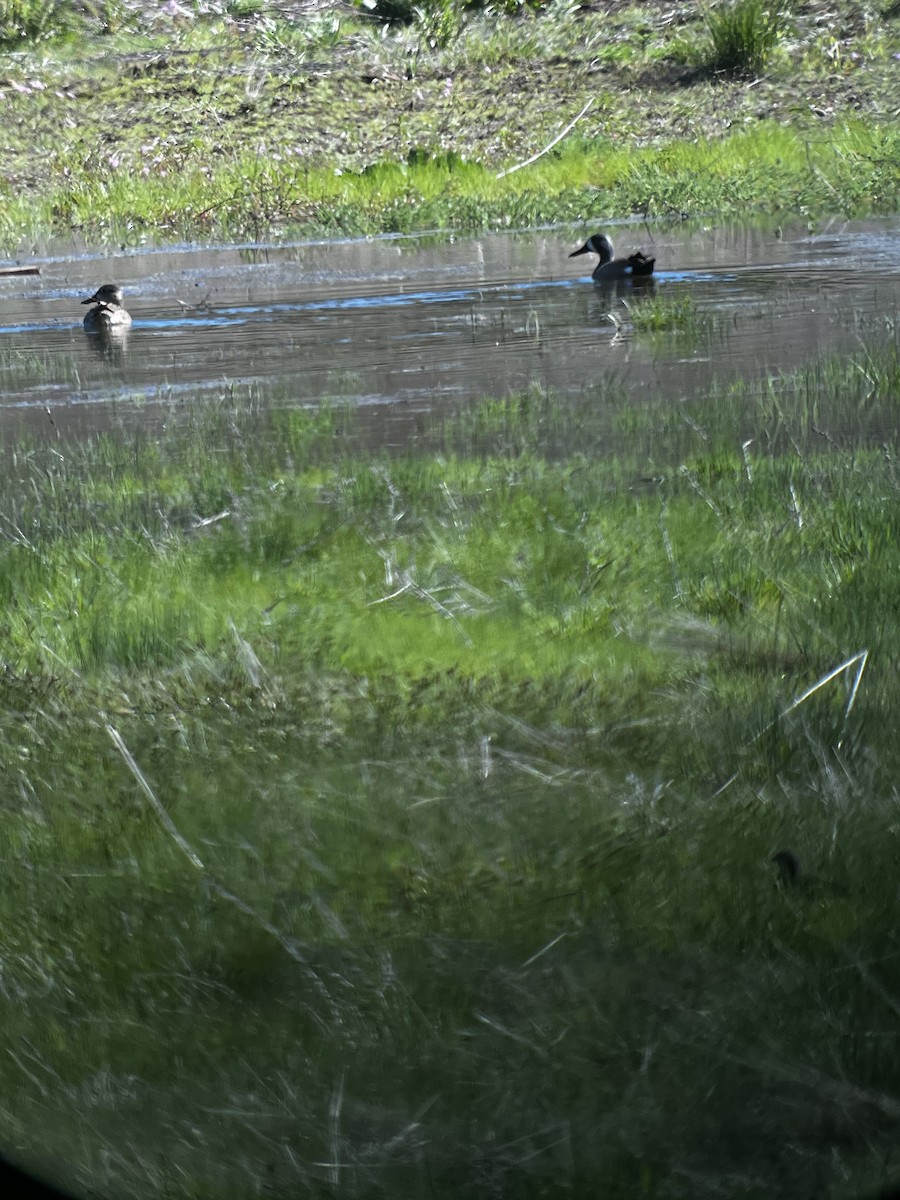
743 35
853 170
32 21
483 748
664 315
234 125
25 24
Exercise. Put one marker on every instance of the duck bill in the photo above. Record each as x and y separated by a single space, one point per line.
585 249
93 300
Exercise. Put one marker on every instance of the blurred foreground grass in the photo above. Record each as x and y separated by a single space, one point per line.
401 824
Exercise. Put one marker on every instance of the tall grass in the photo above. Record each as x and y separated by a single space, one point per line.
743 34
34 20
26 23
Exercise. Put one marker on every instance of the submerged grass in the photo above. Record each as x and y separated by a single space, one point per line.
420 806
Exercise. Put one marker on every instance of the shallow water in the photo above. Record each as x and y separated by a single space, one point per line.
408 324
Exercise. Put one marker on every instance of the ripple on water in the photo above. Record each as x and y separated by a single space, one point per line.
416 321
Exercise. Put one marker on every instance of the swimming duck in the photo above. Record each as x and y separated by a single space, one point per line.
635 266
110 312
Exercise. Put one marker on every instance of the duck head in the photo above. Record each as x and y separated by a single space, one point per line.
110 294
598 243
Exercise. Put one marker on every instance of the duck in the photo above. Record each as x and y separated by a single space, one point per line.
110 312
636 266
792 875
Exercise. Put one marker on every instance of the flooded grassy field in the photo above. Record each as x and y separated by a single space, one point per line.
415 659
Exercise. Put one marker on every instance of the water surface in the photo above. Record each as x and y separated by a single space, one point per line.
410 324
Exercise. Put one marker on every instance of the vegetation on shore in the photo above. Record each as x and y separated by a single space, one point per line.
402 824
246 120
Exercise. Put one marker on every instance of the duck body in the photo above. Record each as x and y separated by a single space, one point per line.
109 312
610 268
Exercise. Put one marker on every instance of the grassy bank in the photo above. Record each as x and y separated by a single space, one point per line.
401 825
257 122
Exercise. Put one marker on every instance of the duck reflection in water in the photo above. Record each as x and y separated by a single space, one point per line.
637 268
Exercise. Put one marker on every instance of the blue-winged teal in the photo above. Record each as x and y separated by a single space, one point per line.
109 313
637 265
